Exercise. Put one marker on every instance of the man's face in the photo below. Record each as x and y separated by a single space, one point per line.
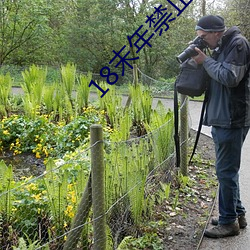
211 38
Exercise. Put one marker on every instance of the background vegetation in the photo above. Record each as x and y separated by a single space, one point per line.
85 32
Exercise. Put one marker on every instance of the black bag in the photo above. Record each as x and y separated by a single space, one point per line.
192 80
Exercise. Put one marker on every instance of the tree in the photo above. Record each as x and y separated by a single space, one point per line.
20 22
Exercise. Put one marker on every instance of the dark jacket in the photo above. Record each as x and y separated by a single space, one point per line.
229 90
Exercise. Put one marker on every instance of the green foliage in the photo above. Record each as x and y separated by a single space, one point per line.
29 245
164 191
161 126
62 99
114 109
87 32
23 25
68 74
33 85
43 137
5 90
6 184
30 206
122 127
141 104
57 188
127 160
48 98
147 241
83 91
126 172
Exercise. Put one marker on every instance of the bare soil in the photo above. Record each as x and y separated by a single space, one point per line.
187 223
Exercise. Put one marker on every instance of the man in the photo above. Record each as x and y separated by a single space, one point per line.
228 112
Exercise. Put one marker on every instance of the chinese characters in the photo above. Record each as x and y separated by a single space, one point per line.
159 20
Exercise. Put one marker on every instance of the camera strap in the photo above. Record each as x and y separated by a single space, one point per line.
199 127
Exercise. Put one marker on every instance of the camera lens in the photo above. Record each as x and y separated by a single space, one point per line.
190 51
187 53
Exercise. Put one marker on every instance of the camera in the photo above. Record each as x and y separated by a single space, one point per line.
190 51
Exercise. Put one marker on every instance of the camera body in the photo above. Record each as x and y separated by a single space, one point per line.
190 51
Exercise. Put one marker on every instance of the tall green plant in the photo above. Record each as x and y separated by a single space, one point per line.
48 98
137 179
68 74
83 90
113 108
141 103
161 129
56 184
62 106
122 130
6 184
33 85
126 171
5 90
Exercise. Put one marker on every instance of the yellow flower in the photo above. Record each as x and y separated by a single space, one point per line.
38 156
14 209
73 199
31 187
69 211
37 196
6 132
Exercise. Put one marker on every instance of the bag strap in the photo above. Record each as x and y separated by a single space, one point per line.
176 126
199 127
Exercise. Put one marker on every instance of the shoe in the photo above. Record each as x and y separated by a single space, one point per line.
241 219
221 230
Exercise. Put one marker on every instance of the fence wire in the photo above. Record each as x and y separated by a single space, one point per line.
43 210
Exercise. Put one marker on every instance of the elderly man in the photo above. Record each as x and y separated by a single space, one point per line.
228 112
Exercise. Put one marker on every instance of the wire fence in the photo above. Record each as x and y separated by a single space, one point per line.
42 209
56 210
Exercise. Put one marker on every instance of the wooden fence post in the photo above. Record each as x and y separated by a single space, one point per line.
135 74
80 218
98 195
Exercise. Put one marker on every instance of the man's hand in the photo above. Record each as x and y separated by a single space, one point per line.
200 58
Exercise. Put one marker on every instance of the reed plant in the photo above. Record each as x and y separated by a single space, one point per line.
122 130
161 130
34 80
6 184
83 91
68 74
113 108
141 106
126 172
48 98
62 106
5 90
56 184
102 102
